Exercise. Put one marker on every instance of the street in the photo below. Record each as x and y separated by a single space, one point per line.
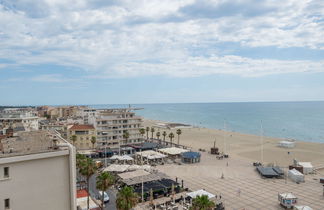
111 193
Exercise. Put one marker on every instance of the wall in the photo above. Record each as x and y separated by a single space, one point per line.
37 184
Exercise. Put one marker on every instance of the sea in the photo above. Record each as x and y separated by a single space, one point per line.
303 121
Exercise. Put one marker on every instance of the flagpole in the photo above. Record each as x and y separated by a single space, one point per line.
261 143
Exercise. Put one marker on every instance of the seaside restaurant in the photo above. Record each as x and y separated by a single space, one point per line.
190 157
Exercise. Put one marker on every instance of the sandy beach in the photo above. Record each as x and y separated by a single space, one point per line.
246 146
239 174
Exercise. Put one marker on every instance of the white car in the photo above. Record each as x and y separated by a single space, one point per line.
106 197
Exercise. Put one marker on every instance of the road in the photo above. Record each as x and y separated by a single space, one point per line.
111 193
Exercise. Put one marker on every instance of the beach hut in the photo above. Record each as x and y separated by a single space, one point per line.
302 208
287 200
286 144
307 167
190 157
296 176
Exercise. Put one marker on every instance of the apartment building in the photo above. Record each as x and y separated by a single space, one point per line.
83 136
16 117
63 111
112 124
37 171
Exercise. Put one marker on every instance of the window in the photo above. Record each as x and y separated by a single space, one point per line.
6 172
7 203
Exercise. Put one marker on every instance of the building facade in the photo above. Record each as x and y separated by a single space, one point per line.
112 124
83 135
37 171
19 116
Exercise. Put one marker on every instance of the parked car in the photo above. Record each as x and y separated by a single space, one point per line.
106 197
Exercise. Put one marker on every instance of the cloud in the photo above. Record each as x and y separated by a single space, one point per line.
51 78
151 37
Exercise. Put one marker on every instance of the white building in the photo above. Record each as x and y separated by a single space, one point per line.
112 124
37 171
27 117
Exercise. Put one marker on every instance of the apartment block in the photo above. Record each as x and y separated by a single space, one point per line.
37 171
83 135
112 124
19 117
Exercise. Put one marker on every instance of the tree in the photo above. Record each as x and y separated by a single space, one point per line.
104 181
179 133
73 138
87 169
142 132
147 131
152 131
164 134
79 160
171 136
93 141
202 203
126 136
158 134
126 198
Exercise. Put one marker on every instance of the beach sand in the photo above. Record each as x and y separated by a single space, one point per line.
246 146
239 174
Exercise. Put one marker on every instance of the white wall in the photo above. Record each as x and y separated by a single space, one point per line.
37 184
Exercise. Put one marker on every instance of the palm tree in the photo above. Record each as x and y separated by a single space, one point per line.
147 131
93 141
178 133
171 136
164 134
104 181
79 160
73 138
142 132
126 199
152 131
202 203
87 169
158 134
126 136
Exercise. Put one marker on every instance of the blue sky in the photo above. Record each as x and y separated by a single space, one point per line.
149 51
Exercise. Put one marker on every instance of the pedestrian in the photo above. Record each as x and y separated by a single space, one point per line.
239 192
220 197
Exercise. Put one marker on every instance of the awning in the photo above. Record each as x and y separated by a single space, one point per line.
200 193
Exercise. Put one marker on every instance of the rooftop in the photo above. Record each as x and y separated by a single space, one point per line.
82 127
25 143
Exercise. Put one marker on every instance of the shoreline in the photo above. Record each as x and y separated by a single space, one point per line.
228 131
246 146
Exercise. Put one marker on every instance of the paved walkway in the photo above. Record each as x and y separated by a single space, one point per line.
240 175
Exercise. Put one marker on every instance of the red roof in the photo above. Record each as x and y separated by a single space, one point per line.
82 127
82 193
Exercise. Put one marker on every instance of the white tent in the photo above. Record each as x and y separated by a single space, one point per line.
126 157
114 157
139 167
302 208
151 155
200 193
307 167
173 150
123 157
286 144
296 176
117 168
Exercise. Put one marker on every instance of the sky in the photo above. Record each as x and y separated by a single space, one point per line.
160 51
